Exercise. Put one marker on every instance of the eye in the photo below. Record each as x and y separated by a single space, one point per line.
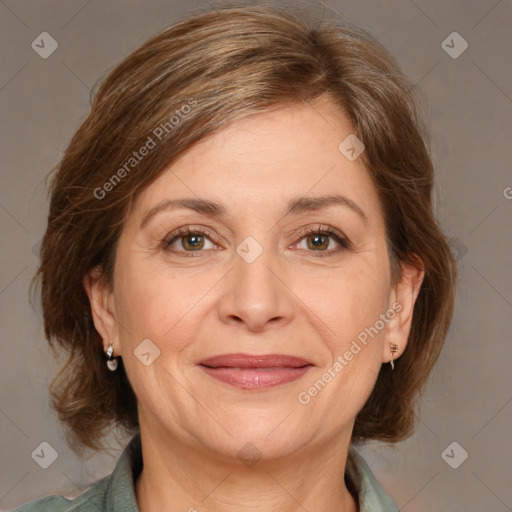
322 240
319 241
188 239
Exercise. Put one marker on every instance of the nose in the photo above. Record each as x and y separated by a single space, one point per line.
256 295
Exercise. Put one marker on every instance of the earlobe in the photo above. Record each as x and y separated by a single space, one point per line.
102 309
403 296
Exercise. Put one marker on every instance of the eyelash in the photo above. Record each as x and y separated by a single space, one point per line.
319 230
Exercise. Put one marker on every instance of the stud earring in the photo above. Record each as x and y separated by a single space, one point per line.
393 348
112 361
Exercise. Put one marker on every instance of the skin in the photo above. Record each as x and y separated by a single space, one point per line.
287 301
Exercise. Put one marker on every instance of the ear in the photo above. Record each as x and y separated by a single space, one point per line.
102 307
402 299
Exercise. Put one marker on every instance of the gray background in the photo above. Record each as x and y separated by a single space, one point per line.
469 105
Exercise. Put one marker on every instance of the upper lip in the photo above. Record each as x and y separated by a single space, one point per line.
254 361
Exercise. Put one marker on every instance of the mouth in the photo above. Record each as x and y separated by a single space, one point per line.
255 372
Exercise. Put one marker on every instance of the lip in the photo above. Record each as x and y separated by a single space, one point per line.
261 371
254 361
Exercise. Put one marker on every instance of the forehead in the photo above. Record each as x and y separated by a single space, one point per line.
266 159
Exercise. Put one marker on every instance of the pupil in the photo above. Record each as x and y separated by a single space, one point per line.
193 241
318 241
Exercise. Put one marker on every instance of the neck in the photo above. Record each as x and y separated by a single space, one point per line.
180 476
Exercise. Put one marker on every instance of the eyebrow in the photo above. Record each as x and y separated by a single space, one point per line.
294 207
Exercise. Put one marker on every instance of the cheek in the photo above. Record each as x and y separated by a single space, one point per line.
160 306
347 301
348 319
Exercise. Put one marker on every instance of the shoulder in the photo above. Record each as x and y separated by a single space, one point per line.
115 492
50 503
93 499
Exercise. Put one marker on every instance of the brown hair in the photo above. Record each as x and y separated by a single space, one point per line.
189 81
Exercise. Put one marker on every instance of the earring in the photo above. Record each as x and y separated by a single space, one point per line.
112 361
393 348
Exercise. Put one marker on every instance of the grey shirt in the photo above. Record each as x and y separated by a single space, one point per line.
116 492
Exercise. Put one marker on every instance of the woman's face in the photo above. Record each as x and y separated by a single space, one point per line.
266 278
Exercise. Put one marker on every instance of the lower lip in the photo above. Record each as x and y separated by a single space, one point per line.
256 378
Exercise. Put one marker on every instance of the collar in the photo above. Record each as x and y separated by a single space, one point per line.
372 497
121 489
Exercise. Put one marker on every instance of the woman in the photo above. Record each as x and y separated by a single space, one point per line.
243 262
